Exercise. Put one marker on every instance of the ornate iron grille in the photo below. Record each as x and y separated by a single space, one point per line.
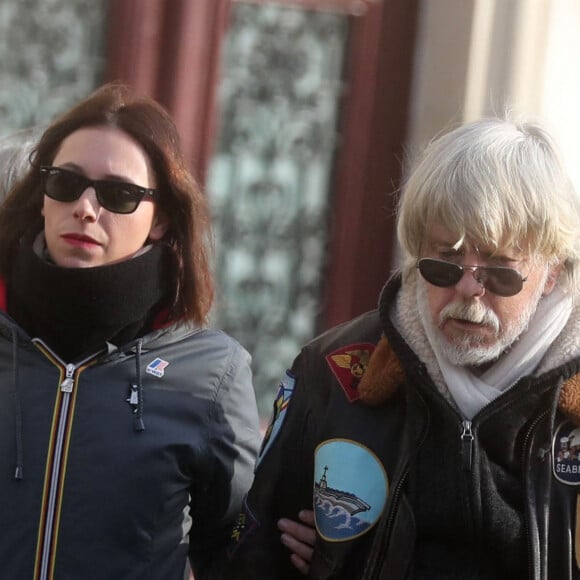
52 54
270 178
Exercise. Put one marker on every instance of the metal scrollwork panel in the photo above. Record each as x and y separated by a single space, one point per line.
52 54
270 178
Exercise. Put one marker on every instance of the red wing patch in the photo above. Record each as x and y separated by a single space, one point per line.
348 365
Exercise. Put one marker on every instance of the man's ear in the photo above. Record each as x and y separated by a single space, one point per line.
552 279
159 226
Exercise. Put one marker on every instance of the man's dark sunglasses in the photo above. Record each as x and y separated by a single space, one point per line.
497 279
116 196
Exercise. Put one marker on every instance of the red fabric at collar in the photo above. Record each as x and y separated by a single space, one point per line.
161 319
3 300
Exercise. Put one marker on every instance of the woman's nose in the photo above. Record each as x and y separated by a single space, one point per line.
87 206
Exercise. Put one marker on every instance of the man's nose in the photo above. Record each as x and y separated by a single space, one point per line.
468 284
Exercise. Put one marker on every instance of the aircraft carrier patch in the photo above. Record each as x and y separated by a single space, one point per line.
350 489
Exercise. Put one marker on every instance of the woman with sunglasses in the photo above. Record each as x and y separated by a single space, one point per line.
128 430
437 437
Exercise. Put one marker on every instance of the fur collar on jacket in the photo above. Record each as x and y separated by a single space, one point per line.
385 372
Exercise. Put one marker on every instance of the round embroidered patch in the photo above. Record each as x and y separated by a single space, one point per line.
566 454
350 489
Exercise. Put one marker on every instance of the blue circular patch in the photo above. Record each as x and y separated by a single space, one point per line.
350 489
566 454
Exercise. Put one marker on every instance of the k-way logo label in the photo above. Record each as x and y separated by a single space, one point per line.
157 367
566 454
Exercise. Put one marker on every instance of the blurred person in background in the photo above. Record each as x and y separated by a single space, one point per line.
15 150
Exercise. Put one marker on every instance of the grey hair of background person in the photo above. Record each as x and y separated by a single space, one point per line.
15 150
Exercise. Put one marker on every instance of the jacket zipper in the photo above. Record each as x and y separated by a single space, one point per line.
371 572
66 387
372 569
52 493
467 439
528 534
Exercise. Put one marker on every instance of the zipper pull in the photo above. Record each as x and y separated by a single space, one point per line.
467 445
67 385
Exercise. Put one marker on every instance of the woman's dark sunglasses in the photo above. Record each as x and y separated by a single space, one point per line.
497 279
116 196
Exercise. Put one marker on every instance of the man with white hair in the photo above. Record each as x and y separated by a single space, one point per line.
439 462
15 150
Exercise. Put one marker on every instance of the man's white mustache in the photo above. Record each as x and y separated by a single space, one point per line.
474 312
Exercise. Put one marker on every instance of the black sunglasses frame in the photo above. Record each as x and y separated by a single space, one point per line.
103 189
490 277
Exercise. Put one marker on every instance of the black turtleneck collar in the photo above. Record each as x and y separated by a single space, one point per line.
77 310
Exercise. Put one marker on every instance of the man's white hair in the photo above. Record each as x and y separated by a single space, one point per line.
494 183
15 151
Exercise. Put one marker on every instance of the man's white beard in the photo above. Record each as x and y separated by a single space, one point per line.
468 350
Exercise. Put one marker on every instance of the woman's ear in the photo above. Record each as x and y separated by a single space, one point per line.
159 226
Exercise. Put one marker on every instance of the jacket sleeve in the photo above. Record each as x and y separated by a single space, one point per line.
281 488
234 438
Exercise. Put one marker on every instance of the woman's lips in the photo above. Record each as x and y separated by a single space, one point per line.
80 240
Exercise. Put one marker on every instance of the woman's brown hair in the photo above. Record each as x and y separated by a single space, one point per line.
189 233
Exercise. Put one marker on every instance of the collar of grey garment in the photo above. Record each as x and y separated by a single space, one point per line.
385 373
